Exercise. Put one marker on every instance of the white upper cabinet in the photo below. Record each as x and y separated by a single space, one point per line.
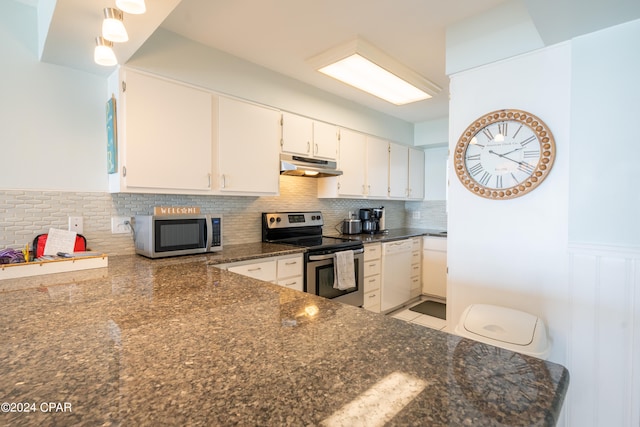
164 136
398 171
307 137
325 140
377 167
416 174
351 161
248 155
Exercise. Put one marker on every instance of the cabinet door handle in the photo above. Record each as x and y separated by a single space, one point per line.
291 263
255 269
209 180
308 146
124 171
372 296
316 149
372 280
224 181
290 283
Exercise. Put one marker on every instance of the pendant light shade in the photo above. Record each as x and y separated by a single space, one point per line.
112 26
134 7
103 53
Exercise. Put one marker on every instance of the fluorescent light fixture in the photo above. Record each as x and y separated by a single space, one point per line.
134 7
362 65
112 26
103 53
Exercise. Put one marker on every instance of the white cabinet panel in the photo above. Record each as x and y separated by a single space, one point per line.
248 148
325 141
166 130
416 174
434 266
377 168
297 134
265 270
398 171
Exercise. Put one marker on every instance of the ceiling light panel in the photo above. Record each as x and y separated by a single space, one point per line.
367 68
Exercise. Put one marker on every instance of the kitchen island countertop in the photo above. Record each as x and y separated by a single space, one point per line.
393 234
180 342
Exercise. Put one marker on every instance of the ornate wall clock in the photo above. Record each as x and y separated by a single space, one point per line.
504 154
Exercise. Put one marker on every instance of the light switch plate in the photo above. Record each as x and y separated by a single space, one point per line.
76 224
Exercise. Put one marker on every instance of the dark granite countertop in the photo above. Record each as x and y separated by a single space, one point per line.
393 234
180 342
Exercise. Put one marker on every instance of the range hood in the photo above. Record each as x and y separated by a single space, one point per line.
306 167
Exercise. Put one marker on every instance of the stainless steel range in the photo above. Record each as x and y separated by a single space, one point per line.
305 229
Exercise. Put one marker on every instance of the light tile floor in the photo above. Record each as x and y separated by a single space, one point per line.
420 319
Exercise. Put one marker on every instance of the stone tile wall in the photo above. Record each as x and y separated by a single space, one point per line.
24 214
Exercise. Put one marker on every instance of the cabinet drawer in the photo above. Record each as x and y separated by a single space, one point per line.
372 251
416 284
296 283
261 270
289 267
371 268
416 257
372 301
416 270
371 283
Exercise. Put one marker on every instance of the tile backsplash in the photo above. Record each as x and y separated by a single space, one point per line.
26 214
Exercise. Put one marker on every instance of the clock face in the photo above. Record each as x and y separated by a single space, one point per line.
504 154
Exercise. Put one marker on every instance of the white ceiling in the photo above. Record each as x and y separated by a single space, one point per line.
281 34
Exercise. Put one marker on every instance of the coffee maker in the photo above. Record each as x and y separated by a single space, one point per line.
372 220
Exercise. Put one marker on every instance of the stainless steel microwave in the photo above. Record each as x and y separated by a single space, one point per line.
158 236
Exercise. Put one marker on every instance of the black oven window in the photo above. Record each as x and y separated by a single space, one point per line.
324 282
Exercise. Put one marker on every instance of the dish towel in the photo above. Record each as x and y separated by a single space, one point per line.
344 274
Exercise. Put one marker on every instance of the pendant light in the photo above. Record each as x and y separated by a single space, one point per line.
112 26
134 7
103 53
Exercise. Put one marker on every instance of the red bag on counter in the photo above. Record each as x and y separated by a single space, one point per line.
41 240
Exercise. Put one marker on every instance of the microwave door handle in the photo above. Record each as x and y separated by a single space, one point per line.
209 231
329 256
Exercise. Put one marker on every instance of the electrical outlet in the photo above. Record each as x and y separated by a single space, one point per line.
120 224
76 224
416 214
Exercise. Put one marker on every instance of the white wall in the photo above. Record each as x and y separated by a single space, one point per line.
605 204
52 118
569 251
513 252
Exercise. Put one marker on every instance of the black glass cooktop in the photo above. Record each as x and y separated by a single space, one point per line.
323 243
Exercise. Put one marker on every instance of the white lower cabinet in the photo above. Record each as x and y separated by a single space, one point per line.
286 270
416 267
371 281
434 266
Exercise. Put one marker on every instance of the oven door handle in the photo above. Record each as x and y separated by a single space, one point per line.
329 256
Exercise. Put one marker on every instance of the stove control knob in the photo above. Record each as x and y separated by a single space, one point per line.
278 219
271 220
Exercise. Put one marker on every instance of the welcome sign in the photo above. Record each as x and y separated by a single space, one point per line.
176 210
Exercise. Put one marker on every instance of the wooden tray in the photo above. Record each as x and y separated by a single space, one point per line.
60 265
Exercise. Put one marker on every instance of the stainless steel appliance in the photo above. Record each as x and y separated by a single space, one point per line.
305 229
373 220
351 226
307 167
158 236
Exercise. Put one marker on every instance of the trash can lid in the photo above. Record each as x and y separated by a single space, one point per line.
500 323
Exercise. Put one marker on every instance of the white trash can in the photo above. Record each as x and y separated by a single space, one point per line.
506 328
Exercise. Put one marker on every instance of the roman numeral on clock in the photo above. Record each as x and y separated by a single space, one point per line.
484 180
498 181
528 140
531 154
476 169
526 168
502 128
487 133
473 157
